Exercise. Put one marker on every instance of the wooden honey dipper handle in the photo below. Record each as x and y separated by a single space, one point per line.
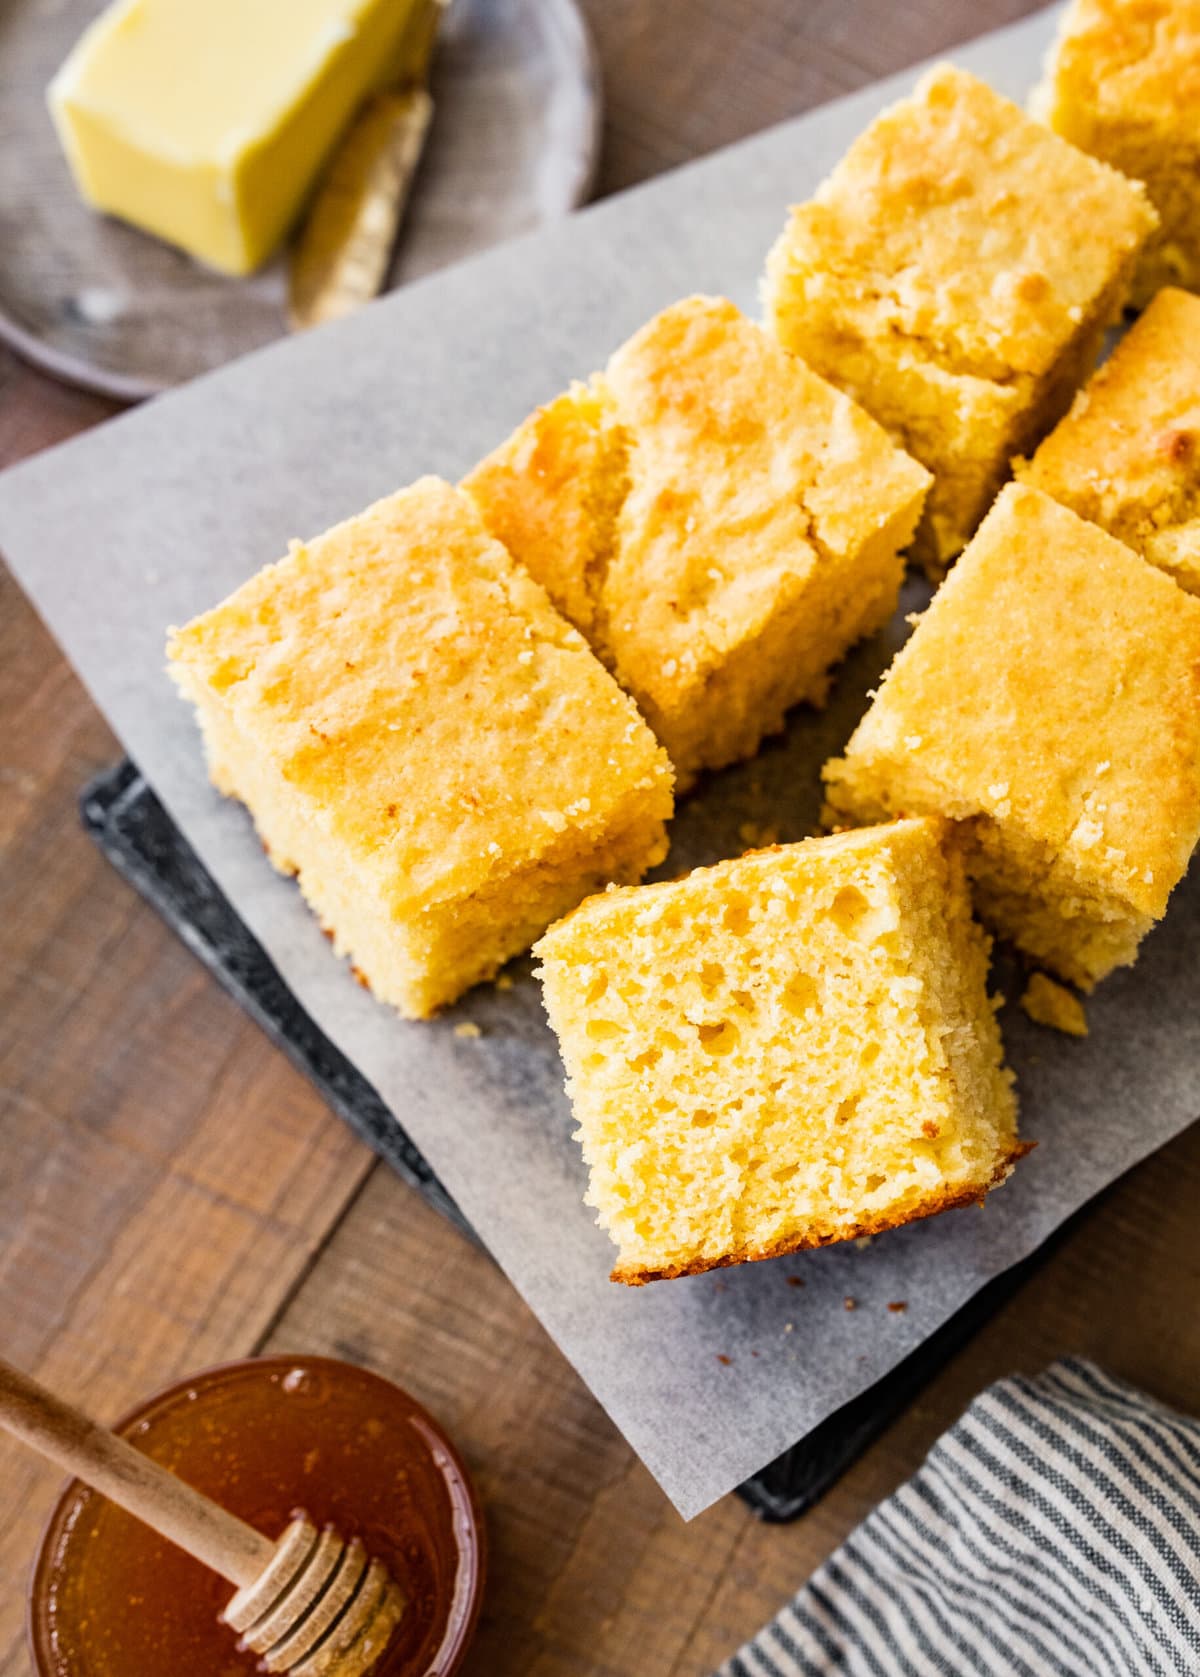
131 1479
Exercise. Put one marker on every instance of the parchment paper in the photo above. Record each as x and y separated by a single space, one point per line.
158 514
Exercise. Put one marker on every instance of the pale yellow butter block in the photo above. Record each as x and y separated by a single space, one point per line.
206 123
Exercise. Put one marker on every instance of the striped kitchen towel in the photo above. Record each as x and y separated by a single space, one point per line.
1055 1529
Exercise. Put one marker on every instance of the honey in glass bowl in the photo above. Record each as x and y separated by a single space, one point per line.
265 1438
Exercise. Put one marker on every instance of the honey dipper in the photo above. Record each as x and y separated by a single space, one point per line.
309 1603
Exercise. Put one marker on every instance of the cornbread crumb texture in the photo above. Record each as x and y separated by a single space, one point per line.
1127 456
425 741
784 1050
1048 702
718 521
1049 1003
955 275
1123 82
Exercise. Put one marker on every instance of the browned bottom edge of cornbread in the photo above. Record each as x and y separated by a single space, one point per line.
947 1200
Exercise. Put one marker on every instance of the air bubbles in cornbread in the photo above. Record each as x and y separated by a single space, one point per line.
955 274
425 742
1123 83
1048 703
1127 456
788 1049
720 523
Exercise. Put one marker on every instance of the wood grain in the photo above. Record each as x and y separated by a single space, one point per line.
172 1194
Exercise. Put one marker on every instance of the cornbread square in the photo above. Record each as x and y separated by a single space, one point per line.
717 520
955 274
1048 702
1123 83
424 741
781 1051
1127 456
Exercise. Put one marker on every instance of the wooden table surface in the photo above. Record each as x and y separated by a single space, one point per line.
173 1194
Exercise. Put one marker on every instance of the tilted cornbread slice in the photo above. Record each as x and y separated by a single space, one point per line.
955 274
1049 703
1123 83
424 741
781 1051
1127 456
718 521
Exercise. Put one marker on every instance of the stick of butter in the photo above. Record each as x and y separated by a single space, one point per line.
207 121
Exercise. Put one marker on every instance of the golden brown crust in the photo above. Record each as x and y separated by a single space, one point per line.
1048 629
955 274
348 662
1127 456
944 1200
1130 61
717 520
425 742
901 223
1123 83
546 493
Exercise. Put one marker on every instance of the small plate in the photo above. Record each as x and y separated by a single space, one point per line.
513 144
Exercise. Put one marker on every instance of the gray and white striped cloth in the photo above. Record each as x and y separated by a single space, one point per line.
1055 1529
